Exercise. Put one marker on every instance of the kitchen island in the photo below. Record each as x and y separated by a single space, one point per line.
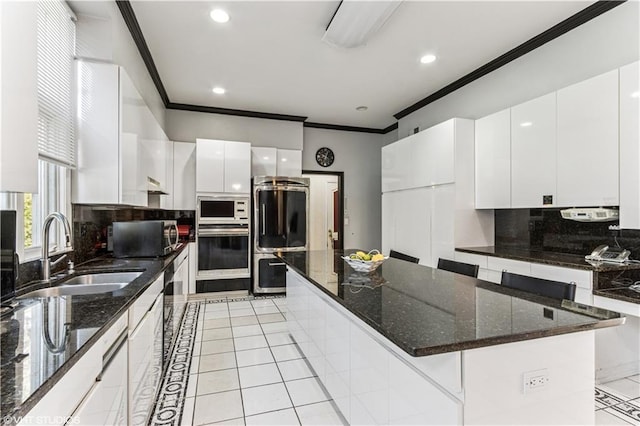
410 344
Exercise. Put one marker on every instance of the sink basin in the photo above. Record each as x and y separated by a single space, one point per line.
74 290
87 284
103 278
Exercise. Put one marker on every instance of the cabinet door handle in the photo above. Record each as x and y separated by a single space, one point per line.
277 264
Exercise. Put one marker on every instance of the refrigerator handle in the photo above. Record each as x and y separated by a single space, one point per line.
263 219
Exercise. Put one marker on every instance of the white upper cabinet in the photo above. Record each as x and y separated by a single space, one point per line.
209 165
223 166
588 142
289 162
423 159
184 176
533 153
237 167
111 157
630 146
493 161
18 97
263 161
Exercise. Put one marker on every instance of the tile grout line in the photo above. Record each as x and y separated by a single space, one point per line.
235 356
277 366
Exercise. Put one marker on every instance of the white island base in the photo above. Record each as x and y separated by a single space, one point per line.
372 381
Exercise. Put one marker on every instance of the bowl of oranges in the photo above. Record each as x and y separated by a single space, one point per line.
365 262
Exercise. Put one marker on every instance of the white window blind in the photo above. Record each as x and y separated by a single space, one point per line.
56 48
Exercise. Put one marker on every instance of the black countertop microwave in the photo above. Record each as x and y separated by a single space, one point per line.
144 238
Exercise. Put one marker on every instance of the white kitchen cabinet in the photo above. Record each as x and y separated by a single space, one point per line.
587 154
184 176
630 146
406 223
493 161
432 155
237 167
112 160
289 162
263 161
18 97
396 160
78 384
427 199
533 153
143 357
167 201
107 403
223 166
209 165
423 159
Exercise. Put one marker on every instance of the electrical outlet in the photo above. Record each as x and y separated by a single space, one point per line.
533 381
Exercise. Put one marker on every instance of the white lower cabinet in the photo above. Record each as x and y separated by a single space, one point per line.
145 357
106 403
370 383
491 269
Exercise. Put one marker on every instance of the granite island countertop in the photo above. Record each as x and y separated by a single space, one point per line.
427 311
30 368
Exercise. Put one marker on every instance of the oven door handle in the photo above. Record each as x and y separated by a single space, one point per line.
222 232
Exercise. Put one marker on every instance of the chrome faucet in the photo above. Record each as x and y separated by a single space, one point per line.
46 263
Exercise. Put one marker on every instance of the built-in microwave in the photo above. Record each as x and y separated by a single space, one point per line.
225 209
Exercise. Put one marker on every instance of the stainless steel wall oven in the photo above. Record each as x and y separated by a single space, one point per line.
280 223
223 239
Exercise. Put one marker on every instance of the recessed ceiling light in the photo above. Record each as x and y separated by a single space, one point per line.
526 124
219 90
284 160
635 95
427 59
219 15
362 108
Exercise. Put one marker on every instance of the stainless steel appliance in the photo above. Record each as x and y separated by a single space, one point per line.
223 239
280 224
176 282
144 238
8 256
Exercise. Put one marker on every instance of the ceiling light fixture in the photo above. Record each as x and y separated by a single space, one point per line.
635 95
526 124
219 90
354 22
219 16
362 108
427 59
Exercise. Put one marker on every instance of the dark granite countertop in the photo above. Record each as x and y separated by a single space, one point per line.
30 367
548 258
427 311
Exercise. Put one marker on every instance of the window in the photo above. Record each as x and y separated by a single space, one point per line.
56 138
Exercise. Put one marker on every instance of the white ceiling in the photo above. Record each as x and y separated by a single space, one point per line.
270 57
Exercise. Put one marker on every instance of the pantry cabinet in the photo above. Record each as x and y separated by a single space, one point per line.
493 161
588 142
630 146
223 166
533 153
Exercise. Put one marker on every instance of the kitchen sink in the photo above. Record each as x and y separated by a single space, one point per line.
87 284
103 278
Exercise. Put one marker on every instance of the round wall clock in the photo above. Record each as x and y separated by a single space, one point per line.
325 157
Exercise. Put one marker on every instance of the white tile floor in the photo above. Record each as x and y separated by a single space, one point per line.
246 370
618 402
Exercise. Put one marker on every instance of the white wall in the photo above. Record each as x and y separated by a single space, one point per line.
102 34
358 156
188 126
600 45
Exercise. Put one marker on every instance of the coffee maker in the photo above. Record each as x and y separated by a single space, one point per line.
8 256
